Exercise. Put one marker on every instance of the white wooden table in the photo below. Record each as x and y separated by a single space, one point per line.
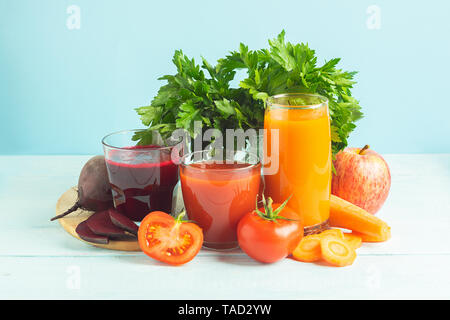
38 259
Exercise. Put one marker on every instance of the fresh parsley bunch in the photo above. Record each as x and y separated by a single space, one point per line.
203 93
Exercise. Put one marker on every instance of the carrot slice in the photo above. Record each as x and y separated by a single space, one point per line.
337 251
332 232
308 250
371 238
353 240
344 214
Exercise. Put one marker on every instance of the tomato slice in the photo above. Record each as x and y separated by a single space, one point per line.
169 240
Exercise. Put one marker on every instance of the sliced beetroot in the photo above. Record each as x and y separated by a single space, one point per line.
122 221
87 235
100 223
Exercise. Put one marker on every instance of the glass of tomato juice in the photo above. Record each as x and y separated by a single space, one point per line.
303 156
218 191
142 177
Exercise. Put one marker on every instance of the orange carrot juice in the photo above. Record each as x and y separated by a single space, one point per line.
304 156
217 195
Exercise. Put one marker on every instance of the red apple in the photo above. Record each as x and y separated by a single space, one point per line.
362 178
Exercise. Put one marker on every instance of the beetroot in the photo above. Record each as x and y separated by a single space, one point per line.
123 221
94 190
86 234
100 223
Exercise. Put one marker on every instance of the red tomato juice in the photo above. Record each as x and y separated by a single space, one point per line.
217 195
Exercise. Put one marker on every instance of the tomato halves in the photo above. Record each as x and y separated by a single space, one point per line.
169 240
270 233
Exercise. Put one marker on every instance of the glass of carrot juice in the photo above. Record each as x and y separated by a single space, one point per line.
218 189
302 159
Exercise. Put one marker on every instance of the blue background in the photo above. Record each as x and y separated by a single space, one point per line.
62 90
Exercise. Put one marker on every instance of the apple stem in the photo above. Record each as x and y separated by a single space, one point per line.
363 149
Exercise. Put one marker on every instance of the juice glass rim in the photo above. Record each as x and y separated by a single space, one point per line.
128 148
250 165
272 101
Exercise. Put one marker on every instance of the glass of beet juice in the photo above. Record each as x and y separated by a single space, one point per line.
142 177
218 190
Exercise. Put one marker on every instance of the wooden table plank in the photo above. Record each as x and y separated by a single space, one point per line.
223 277
37 254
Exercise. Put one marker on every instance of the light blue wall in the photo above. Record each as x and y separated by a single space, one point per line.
61 90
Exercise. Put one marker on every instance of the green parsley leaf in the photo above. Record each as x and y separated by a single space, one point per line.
203 92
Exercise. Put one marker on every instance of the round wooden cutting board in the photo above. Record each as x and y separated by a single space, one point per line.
71 221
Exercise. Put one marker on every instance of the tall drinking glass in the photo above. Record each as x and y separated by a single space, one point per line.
218 191
302 159
142 178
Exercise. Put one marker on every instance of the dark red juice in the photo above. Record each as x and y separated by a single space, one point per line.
142 181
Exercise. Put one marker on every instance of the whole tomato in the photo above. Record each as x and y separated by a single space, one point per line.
270 233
